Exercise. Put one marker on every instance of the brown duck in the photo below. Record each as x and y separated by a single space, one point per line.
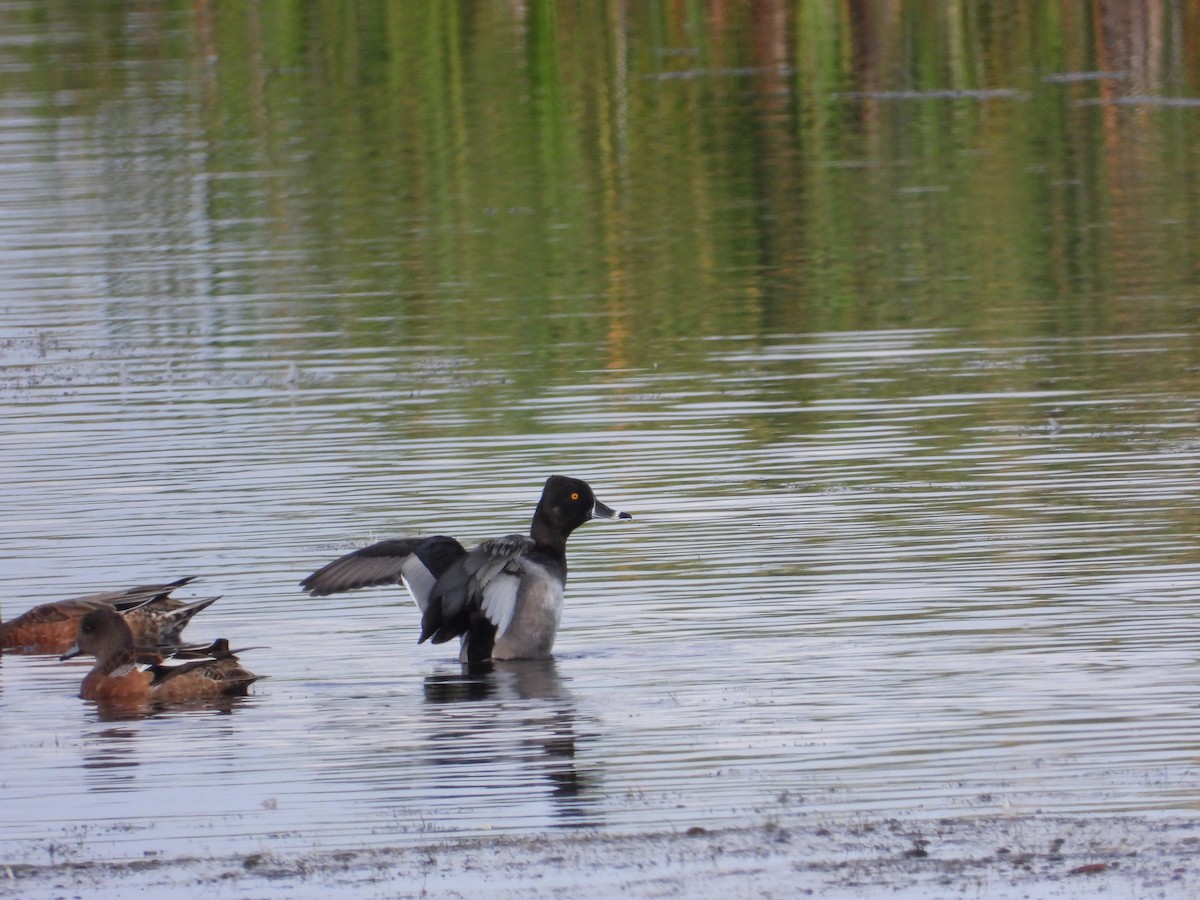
126 674
153 615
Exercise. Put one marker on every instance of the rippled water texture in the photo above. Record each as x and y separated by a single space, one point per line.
912 462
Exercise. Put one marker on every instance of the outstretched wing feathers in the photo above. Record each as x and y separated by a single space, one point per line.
459 592
378 564
483 581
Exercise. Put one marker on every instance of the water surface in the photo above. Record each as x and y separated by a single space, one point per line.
897 374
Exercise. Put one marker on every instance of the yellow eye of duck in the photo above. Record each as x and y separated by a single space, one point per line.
574 495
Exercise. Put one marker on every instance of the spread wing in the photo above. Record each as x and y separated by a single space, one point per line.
414 562
477 595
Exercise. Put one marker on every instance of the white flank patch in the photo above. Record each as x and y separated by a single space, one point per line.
417 579
172 661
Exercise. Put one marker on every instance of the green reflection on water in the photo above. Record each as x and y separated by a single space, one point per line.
563 186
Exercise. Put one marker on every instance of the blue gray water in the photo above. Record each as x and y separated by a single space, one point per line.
901 390
967 598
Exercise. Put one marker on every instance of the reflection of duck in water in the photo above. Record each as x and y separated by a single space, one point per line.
516 679
513 713
503 598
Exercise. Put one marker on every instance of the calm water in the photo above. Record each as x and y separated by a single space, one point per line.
906 413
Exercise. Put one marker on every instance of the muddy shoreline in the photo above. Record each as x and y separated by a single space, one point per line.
1010 856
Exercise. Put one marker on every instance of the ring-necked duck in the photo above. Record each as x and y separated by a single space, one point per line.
503 598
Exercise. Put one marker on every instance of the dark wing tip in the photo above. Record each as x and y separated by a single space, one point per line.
334 579
372 566
311 585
